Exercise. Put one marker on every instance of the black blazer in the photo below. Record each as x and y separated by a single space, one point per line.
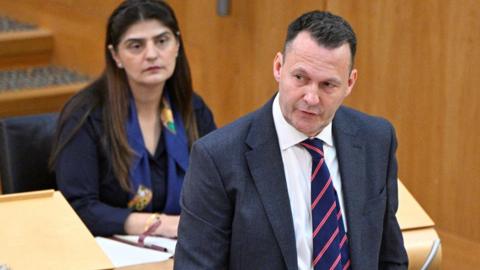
85 177
235 205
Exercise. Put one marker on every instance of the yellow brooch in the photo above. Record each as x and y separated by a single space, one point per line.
141 199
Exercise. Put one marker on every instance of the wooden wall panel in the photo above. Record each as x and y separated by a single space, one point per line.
78 28
231 57
418 66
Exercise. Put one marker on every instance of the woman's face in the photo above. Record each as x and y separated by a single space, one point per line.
147 51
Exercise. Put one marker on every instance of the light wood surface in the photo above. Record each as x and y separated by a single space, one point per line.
410 213
39 41
418 244
418 230
18 197
43 232
25 48
35 101
24 61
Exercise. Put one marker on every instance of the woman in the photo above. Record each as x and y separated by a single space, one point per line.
122 143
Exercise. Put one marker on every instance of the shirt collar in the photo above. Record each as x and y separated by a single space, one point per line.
289 136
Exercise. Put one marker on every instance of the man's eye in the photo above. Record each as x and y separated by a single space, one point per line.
298 77
329 85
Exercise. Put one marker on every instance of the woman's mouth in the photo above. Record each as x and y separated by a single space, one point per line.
153 68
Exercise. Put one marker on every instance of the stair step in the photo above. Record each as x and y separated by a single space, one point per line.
23 44
37 89
38 77
36 101
8 24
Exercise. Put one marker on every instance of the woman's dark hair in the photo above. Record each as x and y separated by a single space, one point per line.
111 90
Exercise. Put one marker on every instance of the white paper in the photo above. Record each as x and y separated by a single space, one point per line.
167 243
121 254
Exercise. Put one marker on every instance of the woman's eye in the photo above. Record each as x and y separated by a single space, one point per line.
134 46
163 41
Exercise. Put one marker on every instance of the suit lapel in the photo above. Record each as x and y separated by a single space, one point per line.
266 166
350 147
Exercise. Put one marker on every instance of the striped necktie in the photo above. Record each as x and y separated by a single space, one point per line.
330 243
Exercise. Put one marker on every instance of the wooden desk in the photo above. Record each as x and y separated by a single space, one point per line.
417 227
418 244
418 230
41 231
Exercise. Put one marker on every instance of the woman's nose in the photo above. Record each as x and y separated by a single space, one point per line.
151 51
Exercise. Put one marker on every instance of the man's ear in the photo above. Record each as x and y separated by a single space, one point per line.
351 80
277 66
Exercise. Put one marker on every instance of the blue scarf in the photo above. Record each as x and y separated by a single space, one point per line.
176 145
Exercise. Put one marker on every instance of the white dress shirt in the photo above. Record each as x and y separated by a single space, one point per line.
297 164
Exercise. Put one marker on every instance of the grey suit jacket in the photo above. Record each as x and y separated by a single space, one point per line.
235 207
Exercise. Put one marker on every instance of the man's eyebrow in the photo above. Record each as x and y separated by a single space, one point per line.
300 70
303 71
334 81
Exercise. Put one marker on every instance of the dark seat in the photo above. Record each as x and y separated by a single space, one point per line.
25 144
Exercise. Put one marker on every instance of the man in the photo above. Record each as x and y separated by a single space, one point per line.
302 183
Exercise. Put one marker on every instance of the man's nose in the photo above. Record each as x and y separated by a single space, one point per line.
311 97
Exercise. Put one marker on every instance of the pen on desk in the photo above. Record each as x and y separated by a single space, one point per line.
149 246
155 247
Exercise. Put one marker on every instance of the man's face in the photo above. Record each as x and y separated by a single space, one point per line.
313 81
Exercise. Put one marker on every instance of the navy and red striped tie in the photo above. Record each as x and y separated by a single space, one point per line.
330 243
